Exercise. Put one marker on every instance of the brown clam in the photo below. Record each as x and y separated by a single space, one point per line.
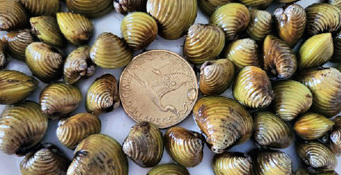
337 48
335 137
42 7
17 42
3 56
256 3
125 6
272 162
12 15
209 6
90 8
232 163
260 24
243 52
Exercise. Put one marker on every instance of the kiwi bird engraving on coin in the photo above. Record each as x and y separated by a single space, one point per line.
158 86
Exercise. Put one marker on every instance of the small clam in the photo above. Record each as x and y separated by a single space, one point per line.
59 99
78 65
76 28
139 30
203 42
3 56
90 8
171 168
102 95
44 61
291 22
22 126
173 22
17 42
272 162
216 76
71 131
12 15
256 3
252 88
243 52
312 126
232 163
260 24
99 154
335 137
336 3
144 144
316 51
42 7
233 18
125 6
15 86
184 146
223 121
209 6
279 58
322 17
45 160
291 98
111 52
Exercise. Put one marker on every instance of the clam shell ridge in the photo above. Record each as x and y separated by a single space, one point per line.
337 48
3 56
243 52
272 162
260 24
256 3
125 6
209 6
17 42
90 8
14 18
232 163
336 3
42 7
171 168
335 141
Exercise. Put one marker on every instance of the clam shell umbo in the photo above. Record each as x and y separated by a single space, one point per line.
17 42
232 163
3 56
243 52
90 8
12 15
42 7
272 162
209 6
171 168
125 6
260 24
256 3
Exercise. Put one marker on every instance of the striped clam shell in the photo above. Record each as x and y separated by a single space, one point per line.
99 154
336 3
111 52
173 22
42 7
233 18
209 6
144 144
337 48
223 121
125 6
256 3
243 52
44 61
17 42
252 88
171 168
59 99
260 24
232 163
22 126
73 130
90 8
12 15
139 30
335 137
272 162
3 56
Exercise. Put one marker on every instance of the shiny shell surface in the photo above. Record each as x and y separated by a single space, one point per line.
209 6
42 7
15 18
232 163
272 162
126 6
90 8
17 42
243 52
260 24
171 168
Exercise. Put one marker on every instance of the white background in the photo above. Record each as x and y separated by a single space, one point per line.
117 124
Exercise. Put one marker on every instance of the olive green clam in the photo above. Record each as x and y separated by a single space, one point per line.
12 15
232 163
59 99
243 52
98 154
336 3
3 56
260 24
42 7
209 6
22 126
256 3
90 8
335 137
203 42
272 162
223 121
216 76
15 86
16 43
125 6
144 144
171 168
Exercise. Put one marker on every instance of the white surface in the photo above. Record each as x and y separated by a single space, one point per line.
117 124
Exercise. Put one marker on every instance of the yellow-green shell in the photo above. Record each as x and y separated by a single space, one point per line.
42 7
336 3
209 6
171 168
12 15
260 24
125 6
90 8
16 43
232 163
243 52
256 3
272 162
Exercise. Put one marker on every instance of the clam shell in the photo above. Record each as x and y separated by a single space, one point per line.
139 30
171 168
272 162
233 18
125 6
12 15
260 24
111 52
203 42
144 144
216 76
232 163
223 121
59 99
256 3
337 48
99 154
336 3
209 6
252 88
102 95
42 7
90 8
15 86
3 56
76 28
337 121
243 52
335 137
44 61
22 126
17 42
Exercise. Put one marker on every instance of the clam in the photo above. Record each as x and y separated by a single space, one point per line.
316 51
73 130
78 65
209 6
76 28
99 154
252 88
291 98
291 22
184 146
173 22
22 126
233 18
337 48
325 86
336 3
17 42
15 86
279 58
125 6
47 30
312 126
243 52
59 99
203 42
302 171
216 76
322 17
171 168
144 144
47 159
90 8
42 7
12 15
272 162
335 137
111 52
3 56
232 163
256 3
139 30
45 62
223 121
260 24
337 121
102 95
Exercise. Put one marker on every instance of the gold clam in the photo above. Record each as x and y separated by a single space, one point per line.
232 163
209 6
256 3
272 162
260 24
243 52
3 56
171 168
336 3
12 15
125 6
17 42
90 8
42 7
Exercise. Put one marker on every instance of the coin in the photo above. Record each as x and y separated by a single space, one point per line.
158 86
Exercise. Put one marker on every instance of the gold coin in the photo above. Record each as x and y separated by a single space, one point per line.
160 87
